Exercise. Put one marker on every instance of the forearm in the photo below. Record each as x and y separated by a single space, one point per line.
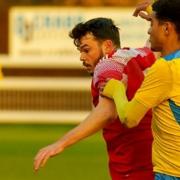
95 121
121 101
86 128
134 113
129 112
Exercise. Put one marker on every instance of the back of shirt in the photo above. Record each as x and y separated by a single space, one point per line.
129 150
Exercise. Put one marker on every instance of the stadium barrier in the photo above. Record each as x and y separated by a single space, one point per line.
44 99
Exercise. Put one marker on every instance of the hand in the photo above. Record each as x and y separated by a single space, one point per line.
103 84
45 153
123 80
142 9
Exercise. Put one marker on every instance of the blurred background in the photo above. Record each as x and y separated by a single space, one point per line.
44 91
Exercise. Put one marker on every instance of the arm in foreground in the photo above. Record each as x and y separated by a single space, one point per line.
129 112
97 119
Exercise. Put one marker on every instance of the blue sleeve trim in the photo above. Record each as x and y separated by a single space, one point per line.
172 56
175 109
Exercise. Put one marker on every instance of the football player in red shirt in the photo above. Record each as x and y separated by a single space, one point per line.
129 150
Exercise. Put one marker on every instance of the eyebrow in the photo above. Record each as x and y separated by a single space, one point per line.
83 46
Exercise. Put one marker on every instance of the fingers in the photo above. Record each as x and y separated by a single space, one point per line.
43 162
41 158
124 79
38 160
140 7
44 154
102 87
145 16
103 84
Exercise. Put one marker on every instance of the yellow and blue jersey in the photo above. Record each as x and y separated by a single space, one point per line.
161 92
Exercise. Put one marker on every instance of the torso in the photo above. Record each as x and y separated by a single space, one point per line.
129 150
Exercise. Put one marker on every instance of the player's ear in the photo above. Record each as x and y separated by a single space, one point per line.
165 28
168 27
107 46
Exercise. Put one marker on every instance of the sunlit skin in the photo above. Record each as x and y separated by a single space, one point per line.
162 33
162 36
90 52
156 32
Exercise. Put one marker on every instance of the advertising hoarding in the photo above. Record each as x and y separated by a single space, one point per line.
43 31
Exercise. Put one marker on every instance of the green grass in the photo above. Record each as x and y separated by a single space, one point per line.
86 160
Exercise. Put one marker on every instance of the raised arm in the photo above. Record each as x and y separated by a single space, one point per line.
154 89
130 112
97 119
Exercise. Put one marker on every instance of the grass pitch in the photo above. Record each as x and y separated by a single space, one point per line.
86 160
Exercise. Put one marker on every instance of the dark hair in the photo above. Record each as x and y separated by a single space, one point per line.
168 10
101 28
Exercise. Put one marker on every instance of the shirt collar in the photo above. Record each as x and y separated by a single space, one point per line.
173 55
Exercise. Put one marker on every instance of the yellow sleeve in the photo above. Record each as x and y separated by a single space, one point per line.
130 113
155 88
115 90
156 85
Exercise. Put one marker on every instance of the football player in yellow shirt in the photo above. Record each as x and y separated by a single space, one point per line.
160 89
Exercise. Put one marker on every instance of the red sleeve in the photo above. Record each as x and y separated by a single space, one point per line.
135 67
145 58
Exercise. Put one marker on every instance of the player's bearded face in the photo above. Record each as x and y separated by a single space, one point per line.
90 66
91 52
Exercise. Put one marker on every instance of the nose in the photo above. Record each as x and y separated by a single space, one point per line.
149 31
82 57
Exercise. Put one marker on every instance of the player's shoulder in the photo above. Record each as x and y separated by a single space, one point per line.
108 64
160 64
116 63
107 68
132 52
144 51
160 70
126 54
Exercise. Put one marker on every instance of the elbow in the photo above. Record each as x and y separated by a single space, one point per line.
128 119
130 123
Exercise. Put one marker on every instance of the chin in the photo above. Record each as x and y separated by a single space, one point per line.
90 70
155 49
91 73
